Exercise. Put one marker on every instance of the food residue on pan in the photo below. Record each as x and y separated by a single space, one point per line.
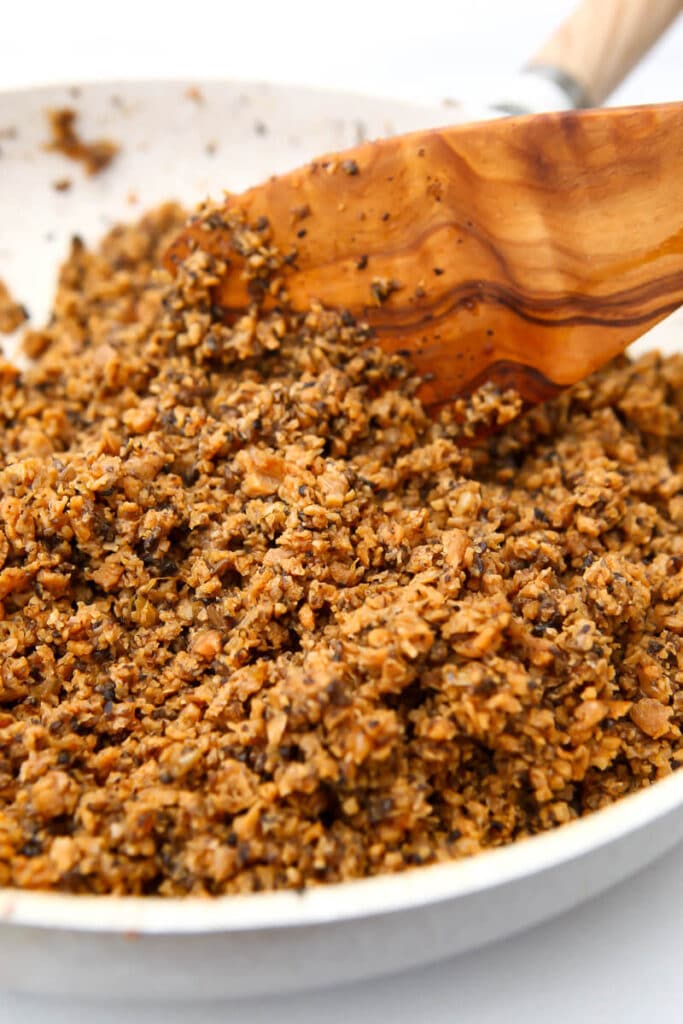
194 93
264 624
12 313
94 156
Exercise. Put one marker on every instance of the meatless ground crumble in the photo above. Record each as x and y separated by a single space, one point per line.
264 624
12 313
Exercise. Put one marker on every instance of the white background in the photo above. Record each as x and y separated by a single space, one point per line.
420 50
618 959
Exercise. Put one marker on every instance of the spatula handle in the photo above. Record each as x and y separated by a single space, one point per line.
601 41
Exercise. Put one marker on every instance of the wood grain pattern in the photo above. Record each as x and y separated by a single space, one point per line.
527 251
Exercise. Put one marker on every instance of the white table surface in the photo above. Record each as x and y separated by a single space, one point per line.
619 958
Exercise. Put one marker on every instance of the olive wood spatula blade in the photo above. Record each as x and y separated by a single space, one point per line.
524 251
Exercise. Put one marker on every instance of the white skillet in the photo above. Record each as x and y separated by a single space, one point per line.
178 144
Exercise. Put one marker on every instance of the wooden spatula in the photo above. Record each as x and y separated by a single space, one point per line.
524 251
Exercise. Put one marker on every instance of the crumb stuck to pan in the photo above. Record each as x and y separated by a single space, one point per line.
264 624
194 93
94 156
12 313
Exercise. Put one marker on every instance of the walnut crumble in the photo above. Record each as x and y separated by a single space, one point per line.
263 624
12 313
95 156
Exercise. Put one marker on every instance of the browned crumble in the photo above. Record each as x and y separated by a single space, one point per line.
95 156
485 410
265 625
380 287
12 313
